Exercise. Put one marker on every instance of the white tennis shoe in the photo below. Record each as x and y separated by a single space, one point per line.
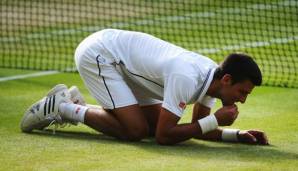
45 111
76 96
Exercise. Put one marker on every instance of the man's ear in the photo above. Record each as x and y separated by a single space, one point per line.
226 79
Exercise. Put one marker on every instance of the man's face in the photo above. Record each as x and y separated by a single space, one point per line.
237 92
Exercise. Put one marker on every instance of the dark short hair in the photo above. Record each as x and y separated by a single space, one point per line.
241 67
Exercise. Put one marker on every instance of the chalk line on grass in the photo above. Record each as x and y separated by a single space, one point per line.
23 76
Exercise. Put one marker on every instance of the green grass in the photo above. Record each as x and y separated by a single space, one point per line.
271 109
46 38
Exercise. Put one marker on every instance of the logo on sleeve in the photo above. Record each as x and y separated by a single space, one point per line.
182 105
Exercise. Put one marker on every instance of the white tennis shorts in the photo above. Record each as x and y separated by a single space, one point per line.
104 78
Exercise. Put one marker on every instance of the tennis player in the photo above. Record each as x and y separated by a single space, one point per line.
143 85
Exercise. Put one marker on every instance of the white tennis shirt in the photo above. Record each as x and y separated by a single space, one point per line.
165 71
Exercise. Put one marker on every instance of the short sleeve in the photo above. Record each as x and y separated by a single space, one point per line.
208 101
178 91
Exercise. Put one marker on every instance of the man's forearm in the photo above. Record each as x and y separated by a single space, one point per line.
169 132
179 133
211 136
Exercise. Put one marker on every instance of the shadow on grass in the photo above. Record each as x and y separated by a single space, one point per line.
192 148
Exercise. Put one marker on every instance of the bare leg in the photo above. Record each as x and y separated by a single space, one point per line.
103 121
126 123
151 113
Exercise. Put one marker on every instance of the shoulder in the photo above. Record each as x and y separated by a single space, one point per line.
181 85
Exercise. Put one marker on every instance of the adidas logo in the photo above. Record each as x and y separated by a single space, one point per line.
49 105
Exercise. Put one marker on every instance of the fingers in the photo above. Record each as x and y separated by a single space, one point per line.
246 137
261 137
264 140
234 111
231 106
226 115
251 139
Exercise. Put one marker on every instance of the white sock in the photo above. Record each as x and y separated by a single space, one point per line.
73 111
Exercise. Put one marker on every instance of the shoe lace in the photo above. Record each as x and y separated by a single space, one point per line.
59 123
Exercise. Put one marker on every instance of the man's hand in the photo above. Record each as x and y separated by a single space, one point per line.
253 137
226 115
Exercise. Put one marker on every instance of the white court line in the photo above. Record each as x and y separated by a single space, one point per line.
152 21
38 74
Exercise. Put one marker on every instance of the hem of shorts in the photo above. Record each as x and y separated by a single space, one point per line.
118 105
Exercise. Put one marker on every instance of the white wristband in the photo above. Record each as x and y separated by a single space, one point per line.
208 124
230 135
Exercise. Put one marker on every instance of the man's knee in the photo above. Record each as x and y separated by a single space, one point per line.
137 133
134 122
